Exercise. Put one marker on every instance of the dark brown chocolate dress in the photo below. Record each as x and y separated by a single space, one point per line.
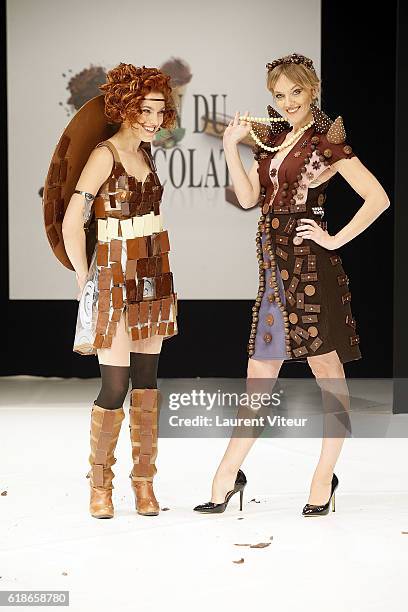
303 303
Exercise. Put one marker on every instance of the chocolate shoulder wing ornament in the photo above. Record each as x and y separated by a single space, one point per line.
335 132
88 127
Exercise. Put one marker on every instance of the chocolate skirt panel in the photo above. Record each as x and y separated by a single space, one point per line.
304 308
102 303
129 270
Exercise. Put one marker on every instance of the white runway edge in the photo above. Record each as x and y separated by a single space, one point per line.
353 560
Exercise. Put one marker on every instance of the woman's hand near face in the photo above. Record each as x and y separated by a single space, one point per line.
236 130
246 185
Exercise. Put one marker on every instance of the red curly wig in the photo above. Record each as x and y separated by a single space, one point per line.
127 85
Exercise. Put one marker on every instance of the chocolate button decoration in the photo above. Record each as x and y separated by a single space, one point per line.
284 274
312 331
267 338
297 239
269 319
275 223
309 290
293 318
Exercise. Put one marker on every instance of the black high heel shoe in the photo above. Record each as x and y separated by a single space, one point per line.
311 510
212 508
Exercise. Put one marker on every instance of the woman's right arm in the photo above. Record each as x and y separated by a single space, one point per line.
95 172
246 185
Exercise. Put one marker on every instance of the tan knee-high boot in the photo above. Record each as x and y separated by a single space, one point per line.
105 428
143 414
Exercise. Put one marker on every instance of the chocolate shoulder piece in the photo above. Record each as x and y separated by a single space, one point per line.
322 121
337 133
268 133
277 127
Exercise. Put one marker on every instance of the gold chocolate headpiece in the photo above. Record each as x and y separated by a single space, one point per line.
295 58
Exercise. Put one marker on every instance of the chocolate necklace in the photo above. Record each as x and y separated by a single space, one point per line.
271 119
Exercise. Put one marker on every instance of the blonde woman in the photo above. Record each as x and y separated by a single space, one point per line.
302 311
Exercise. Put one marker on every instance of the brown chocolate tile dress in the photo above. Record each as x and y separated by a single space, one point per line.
303 303
129 270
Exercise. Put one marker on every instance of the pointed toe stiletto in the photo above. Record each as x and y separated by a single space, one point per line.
212 508
311 510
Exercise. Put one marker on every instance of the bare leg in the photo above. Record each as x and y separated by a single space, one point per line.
238 447
122 345
329 374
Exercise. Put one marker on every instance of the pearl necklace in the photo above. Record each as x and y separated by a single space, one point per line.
271 119
262 119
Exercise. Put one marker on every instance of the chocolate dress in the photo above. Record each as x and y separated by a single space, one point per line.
129 270
303 303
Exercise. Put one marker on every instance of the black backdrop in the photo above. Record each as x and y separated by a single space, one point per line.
359 68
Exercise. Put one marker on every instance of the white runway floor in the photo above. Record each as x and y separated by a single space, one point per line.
353 560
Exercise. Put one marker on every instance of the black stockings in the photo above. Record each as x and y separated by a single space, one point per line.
115 379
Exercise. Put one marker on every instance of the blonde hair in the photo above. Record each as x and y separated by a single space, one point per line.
298 73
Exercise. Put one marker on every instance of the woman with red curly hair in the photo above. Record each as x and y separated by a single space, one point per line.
133 301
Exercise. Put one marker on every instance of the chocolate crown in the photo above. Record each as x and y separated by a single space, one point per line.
295 58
